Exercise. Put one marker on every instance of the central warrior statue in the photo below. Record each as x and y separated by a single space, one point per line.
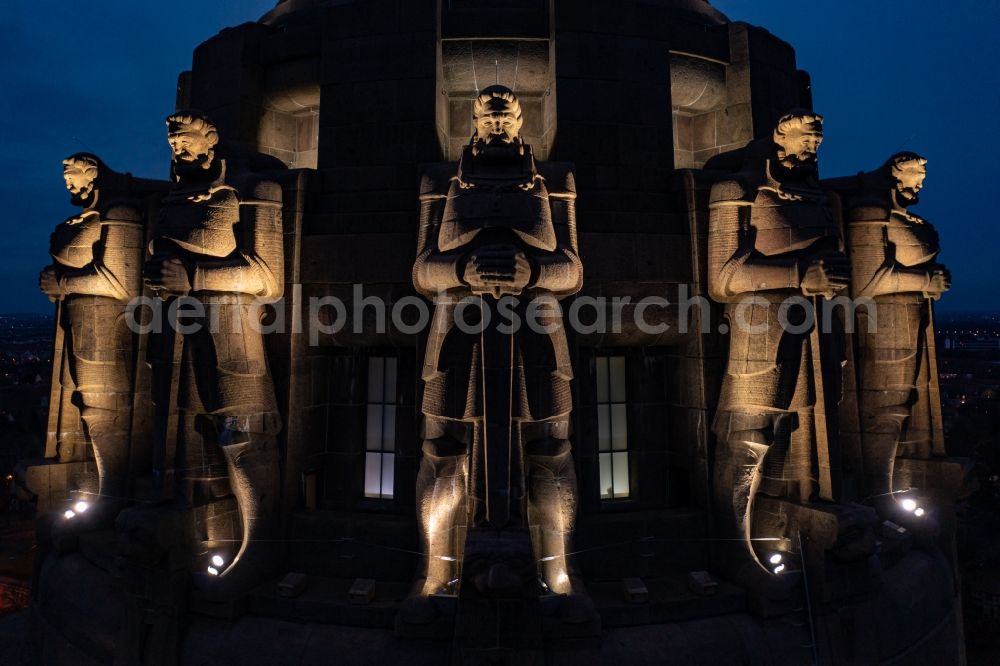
775 253
497 397
218 246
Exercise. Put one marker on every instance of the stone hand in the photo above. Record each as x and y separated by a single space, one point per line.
49 283
826 277
940 281
167 274
498 269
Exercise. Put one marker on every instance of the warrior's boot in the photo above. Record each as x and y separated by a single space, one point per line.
739 464
110 437
881 440
251 459
442 494
882 445
108 432
552 510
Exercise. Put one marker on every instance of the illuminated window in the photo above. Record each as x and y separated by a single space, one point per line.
380 427
612 427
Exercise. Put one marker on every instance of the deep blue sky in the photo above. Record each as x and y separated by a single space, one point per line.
887 76
98 76
917 75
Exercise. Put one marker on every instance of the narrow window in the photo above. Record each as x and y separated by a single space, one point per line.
380 427
612 427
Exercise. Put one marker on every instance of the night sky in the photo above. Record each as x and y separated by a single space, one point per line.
916 75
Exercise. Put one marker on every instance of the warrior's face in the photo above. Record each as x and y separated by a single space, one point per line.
192 138
190 147
499 123
909 177
798 145
80 174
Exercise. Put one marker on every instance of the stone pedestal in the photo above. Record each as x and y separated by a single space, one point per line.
948 480
51 481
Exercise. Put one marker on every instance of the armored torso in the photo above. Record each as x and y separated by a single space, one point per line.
201 222
914 240
791 220
72 242
518 203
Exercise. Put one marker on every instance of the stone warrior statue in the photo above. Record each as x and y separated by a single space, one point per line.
775 252
96 271
894 264
497 403
218 246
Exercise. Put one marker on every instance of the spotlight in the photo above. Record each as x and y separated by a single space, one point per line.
447 558
547 559
69 514
776 558
919 512
213 571
909 504
217 560
81 506
778 569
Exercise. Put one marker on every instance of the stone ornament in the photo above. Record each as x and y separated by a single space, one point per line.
97 258
496 406
775 254
218 243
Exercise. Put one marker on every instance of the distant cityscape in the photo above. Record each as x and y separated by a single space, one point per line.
26 342
25 375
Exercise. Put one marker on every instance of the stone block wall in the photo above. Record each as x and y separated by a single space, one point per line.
292 138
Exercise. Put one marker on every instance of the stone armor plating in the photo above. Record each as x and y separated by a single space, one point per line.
772 432
228 236
760 237
893 256
456 219
97 264
518 448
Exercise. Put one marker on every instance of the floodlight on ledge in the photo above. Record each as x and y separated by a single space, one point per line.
213 571
776 558
446 558
70 513
217 560
81 506
909 504
778 569
918 512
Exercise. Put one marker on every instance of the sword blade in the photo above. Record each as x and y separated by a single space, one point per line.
497 377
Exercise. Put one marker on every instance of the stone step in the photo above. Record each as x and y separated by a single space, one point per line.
642 544
326 601
334 544
340 544
670 600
